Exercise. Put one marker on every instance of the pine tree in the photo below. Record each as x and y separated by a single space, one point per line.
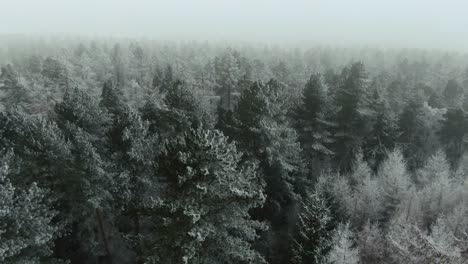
260 129
55 72
383 133
41 145
349 100
112 98
409 244
14 93
367 193
436 167
118 65
394 180
85 125
28 225
312 238
139 64
342 251
133 150
203 215
228 74
178 111
34 64
164 79
412 131
371 245
452 135
453 94
437 188
311 120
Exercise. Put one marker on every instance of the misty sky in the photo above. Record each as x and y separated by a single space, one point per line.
386 23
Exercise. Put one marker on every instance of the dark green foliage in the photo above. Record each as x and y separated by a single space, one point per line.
118 65
84 125
436 100
178 111
203 215
133 149
13 94
383 133
164 80
453 94
312 239
260 129
54 72
311 121
350 99
452 134
229 73
28 224
413 135
112 98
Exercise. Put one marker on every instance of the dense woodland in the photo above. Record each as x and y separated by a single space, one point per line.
138 151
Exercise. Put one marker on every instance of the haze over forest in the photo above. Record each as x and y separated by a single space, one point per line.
233 132
431 24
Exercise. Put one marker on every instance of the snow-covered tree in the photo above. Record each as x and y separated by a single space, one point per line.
384 130
439 193
313 237
371 244
260 128
366 200
203 216
350 128
228 75
452 135
311 120
342 250
410 244
13 92
133 149
28 225
394 181
453 94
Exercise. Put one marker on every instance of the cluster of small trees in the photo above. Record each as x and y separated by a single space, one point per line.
398 217
106 158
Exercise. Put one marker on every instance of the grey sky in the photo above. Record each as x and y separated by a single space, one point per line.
388 23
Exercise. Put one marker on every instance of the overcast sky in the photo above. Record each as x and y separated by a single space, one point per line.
441 24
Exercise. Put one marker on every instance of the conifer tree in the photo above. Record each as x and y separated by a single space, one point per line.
367 193
55 73
178 111
312 238
372 244
228 75
260 129
383 132
118 65
133 150
203 214
349 100
342 251
411 139
311 120
453 95
28 225
452 135
85 125
394 180
14 93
